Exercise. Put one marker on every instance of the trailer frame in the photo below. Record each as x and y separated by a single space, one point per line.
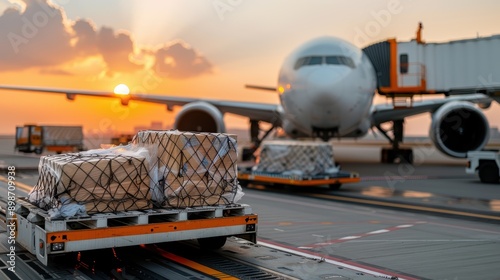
45 237
334 180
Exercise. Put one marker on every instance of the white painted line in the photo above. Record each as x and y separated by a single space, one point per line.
305 248
379 231
349 237
322 244
404 226
317 235
330 261
277 229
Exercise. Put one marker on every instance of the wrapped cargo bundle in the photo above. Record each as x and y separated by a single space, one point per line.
305 157
192 169
100 182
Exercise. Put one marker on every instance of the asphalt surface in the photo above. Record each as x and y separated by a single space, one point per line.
407 243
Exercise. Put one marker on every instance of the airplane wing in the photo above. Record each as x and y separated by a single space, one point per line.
382 113
254 111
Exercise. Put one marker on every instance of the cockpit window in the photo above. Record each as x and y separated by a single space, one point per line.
316 60
343 60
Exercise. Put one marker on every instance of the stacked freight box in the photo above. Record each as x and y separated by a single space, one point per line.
169 169
98 182
304 157
191 169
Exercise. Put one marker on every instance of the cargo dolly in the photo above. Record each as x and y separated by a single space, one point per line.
333 180
210 225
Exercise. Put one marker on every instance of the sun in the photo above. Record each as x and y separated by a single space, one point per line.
121 89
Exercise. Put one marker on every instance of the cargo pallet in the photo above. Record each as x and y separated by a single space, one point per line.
333 180
45 237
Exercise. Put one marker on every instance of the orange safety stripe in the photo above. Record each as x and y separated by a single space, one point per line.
393 48
60 148
313 182
98 233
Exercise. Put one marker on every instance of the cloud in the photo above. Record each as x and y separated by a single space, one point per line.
116 49
35 37
85 38
40 36
179 60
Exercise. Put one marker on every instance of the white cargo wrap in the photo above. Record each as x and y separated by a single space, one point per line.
87 183
192 169
304 157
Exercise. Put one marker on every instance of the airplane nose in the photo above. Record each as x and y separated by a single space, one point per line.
326 87
325 84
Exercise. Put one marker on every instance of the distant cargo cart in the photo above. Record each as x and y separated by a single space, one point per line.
333 180
59 139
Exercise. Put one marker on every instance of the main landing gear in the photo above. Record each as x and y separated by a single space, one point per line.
247 153
395 154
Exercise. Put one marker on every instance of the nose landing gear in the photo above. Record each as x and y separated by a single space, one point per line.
325 134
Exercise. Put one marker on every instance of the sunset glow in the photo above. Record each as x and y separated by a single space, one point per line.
187 49
121 89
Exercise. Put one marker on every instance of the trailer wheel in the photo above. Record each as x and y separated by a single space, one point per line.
212 243
38 151
488 172
335 187
243 183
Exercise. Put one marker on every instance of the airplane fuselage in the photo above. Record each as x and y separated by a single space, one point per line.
326 90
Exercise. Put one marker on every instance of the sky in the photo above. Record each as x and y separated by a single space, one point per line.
193 48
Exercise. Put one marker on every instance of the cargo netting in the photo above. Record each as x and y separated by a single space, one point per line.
93 182
191 169
304 158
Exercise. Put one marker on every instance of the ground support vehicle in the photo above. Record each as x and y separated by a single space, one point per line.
58 139
486 164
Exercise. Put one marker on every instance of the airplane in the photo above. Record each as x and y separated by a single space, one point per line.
326 89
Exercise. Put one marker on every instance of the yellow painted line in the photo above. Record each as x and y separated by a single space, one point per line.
192 264
405 206
20 185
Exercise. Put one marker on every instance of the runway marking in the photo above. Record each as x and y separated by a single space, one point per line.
404 226
355 237
378 272
348 238
379 231
277 229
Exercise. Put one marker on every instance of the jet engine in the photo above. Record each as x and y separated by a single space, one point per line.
200 117
458 127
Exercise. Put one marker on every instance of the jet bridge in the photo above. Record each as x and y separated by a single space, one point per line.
405 69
